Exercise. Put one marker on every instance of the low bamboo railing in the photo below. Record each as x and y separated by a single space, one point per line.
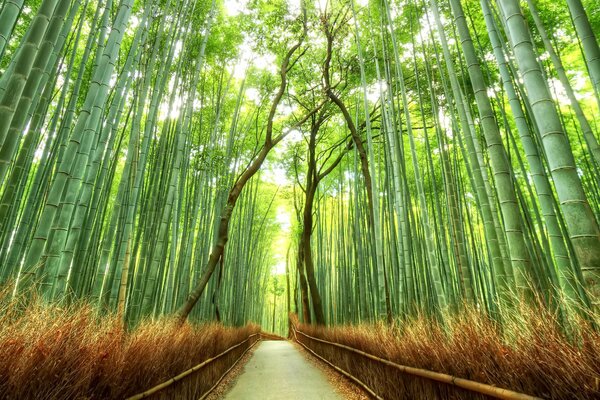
469 385
195 368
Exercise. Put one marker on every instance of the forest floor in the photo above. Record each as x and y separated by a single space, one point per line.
278 370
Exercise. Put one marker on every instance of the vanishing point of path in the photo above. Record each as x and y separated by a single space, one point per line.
277 371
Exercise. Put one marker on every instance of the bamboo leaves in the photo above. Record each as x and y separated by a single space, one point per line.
434 164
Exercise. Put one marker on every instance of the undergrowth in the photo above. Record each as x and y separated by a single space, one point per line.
530 354
54 352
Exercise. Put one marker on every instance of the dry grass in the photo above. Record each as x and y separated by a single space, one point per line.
52 352
530 355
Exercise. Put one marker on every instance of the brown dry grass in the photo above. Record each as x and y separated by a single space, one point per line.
53 352
530 355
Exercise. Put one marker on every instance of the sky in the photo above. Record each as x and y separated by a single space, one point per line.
235 7
282 241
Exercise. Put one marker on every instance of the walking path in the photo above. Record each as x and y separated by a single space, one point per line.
277 371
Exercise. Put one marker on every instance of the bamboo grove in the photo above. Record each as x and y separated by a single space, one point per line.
433 154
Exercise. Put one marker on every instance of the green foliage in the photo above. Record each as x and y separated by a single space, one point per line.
123 159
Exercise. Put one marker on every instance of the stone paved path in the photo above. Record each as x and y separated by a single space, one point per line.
277 371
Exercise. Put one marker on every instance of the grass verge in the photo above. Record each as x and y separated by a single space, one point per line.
53 352
530 354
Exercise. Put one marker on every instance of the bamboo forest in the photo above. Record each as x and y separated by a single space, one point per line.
300 199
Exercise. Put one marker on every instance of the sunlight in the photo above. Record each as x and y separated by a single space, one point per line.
249 57
445 122
281 241
293 137
558 91
167 110
286 109
178 48
275 174
278 269
253 95
322 5
294 9
373 94
283 219
579 82
235 7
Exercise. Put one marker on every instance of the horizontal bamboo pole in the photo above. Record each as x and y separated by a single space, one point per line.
467 384
179 377
343 372
205 395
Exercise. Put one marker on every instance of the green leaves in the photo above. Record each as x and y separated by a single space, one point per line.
134 134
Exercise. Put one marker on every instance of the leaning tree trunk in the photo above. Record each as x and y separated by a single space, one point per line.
234 193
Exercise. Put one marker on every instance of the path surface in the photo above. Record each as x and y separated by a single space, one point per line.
277 371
